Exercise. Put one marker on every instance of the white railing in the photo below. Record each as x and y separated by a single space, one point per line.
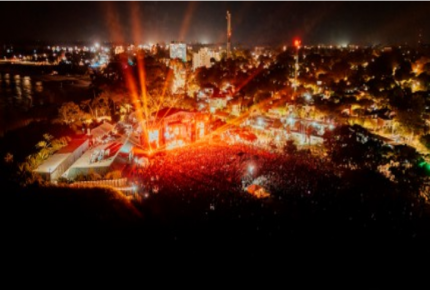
117 183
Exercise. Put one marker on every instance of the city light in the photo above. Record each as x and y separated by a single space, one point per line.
252 135
291 120
251 169
260 122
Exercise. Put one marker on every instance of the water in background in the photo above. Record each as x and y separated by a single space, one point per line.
18 92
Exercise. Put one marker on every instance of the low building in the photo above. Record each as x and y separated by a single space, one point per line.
217 103
99 132
203 58
111 155
98 160
235 107
54 167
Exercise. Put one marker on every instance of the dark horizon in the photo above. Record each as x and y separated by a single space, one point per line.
253 23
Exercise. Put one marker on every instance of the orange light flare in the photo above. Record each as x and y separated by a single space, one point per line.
116 34
142 82
160 103
143 114
297 43
248 79
163 93
187 20
134 21
113 23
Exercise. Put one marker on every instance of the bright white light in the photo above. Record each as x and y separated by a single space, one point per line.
97 45
260 122
290 120
251 169
331 127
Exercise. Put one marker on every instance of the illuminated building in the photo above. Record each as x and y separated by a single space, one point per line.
119 49
217 103
178 86
178 50
203 58
236 108
169 128
260 50
179 77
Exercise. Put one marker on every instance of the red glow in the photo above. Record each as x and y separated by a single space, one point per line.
187 20
297 42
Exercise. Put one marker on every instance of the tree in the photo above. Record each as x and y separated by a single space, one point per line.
403 71
116 174
290 147
8 158
100 104
425 140
410 115
69 114
25 175
408 168
354 147
341 69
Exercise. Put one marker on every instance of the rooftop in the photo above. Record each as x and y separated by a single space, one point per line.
84 160
51 164
102 129
72 146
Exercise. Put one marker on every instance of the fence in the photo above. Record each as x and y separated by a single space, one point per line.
117 183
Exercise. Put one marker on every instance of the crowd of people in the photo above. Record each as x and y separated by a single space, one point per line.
207 183
219 173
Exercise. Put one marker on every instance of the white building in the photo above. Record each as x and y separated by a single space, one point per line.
119 49
203 57
178 50
53 167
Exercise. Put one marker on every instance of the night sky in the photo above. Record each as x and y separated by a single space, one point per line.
253 22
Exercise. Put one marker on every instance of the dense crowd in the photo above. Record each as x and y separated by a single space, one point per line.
208 181
213 177
220 169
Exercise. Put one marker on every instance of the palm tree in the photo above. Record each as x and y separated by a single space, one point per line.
8 158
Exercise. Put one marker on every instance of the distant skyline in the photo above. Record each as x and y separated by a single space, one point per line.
253 23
